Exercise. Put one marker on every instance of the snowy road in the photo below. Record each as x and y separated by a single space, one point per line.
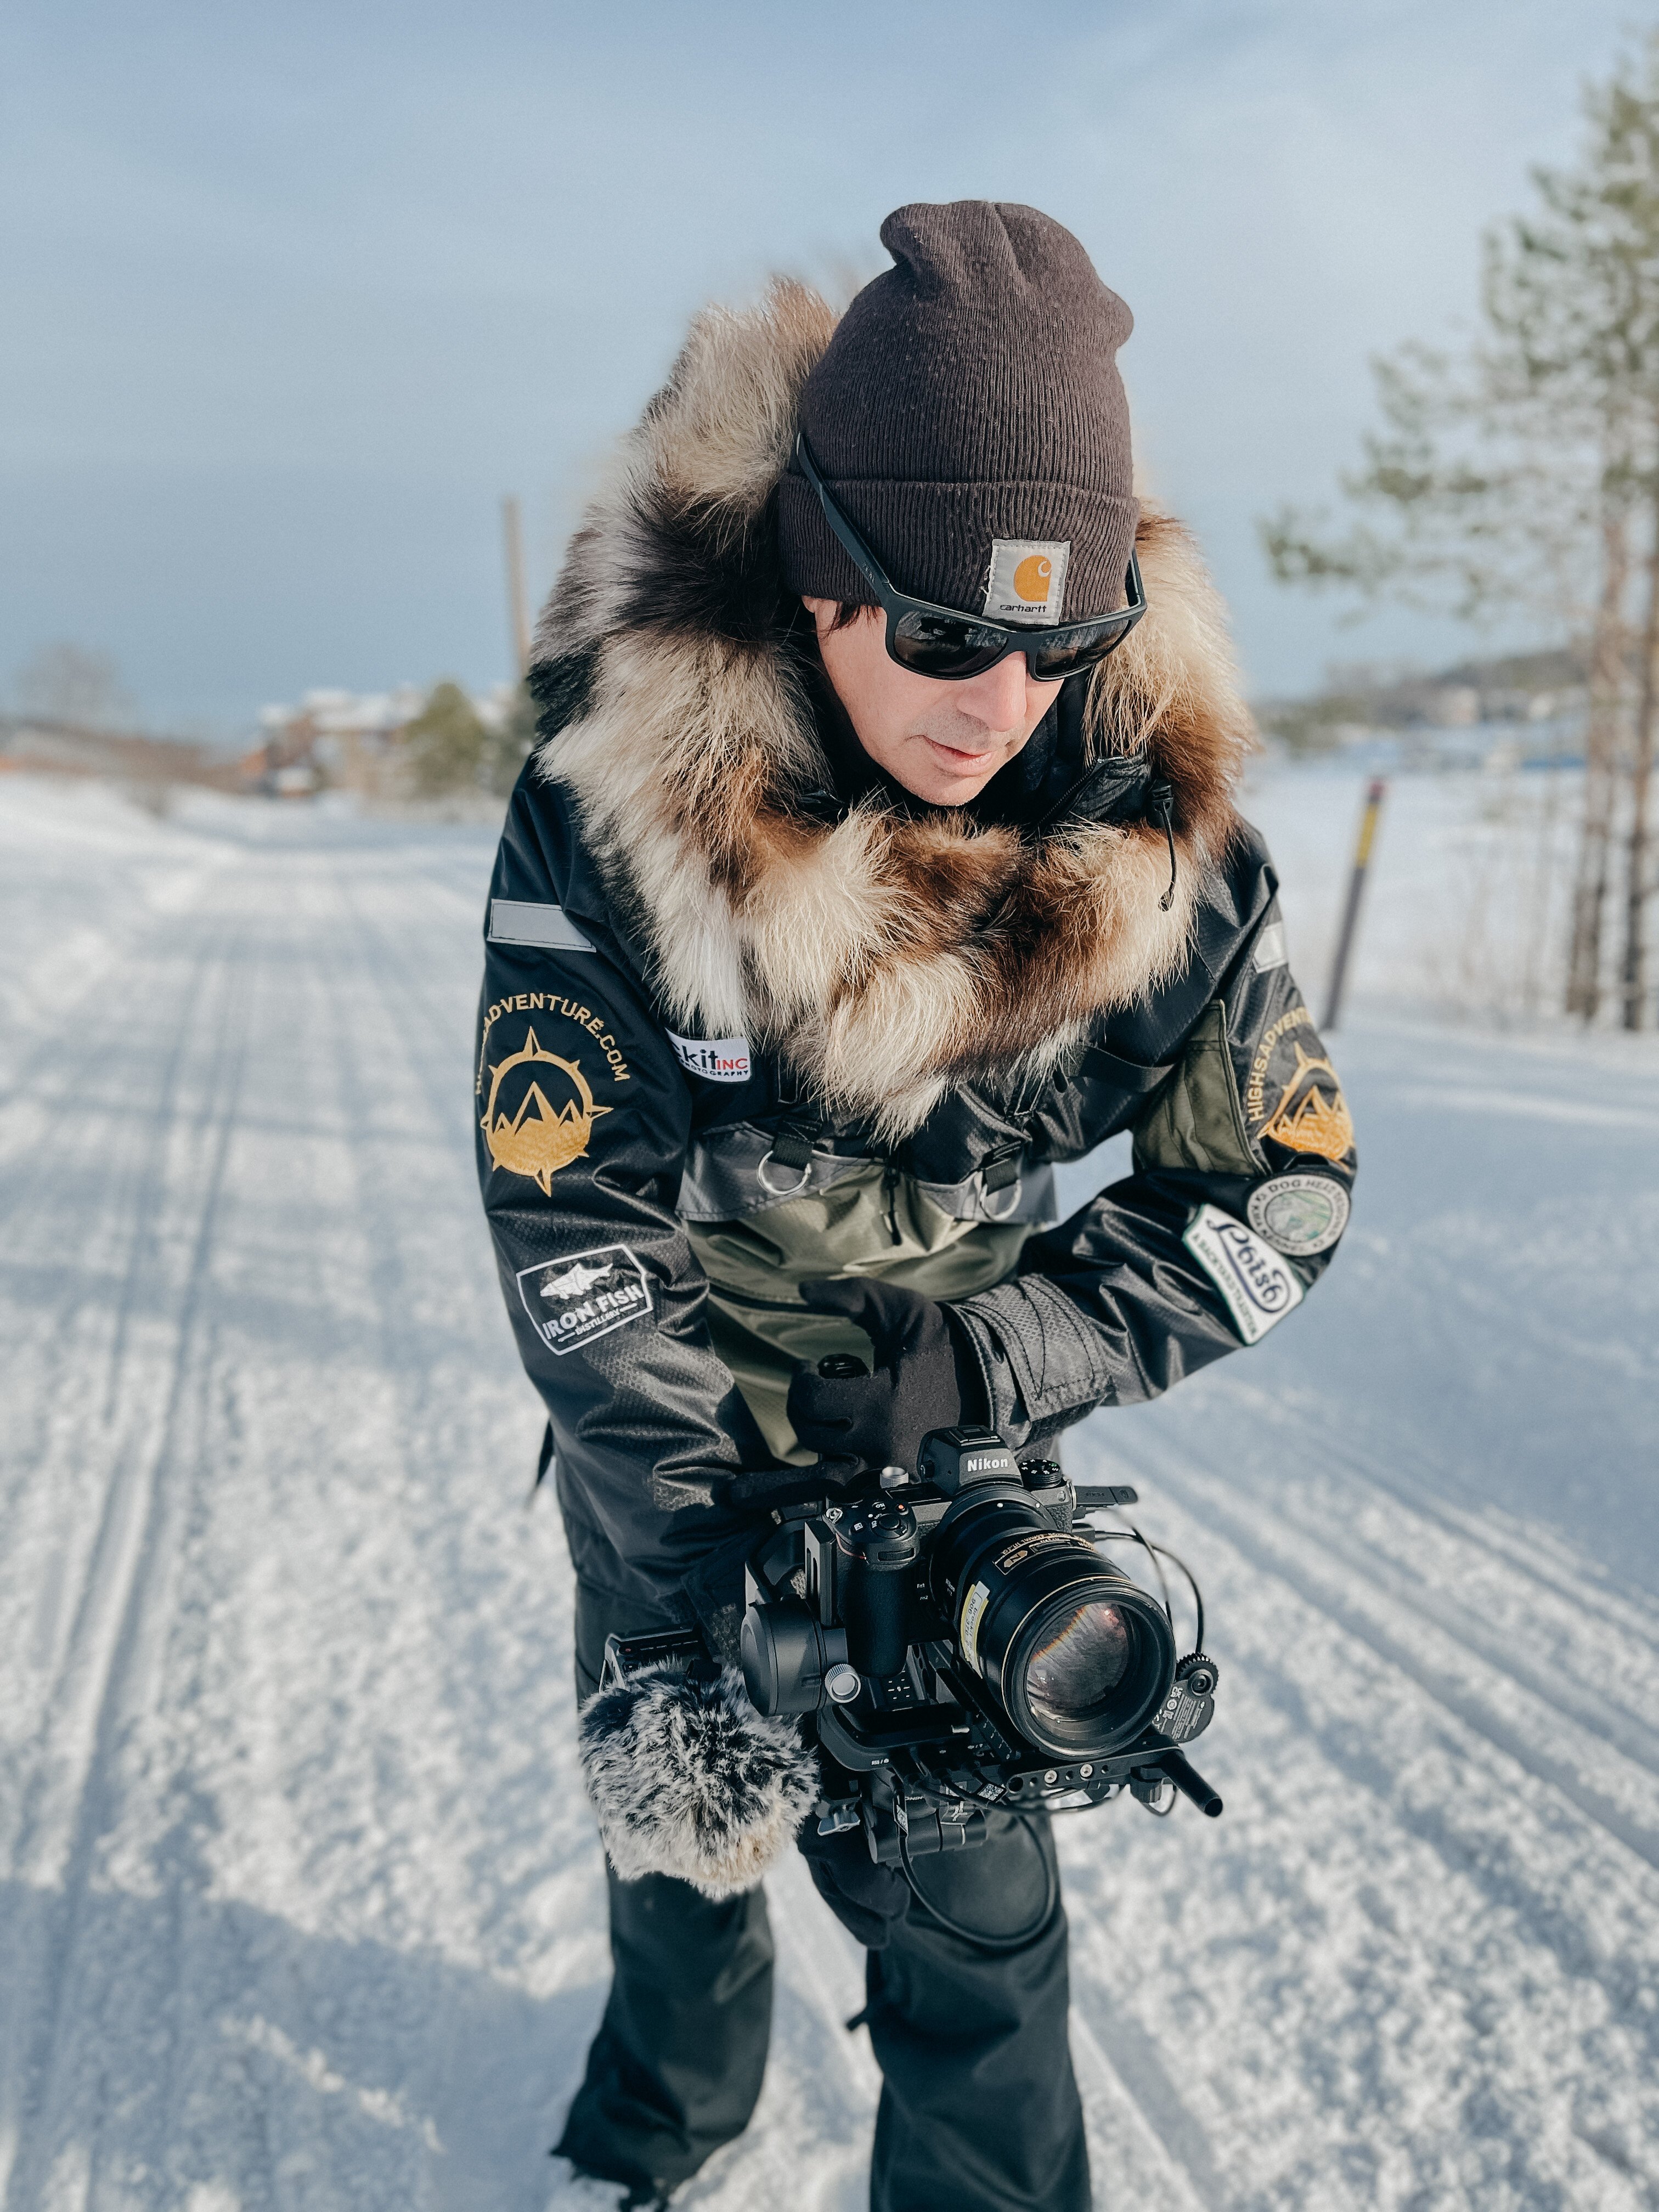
300 1903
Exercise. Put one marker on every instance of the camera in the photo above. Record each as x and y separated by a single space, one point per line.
957 1640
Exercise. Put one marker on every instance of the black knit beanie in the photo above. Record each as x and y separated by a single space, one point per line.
970 420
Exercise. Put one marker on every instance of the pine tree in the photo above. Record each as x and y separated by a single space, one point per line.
445 743
1524 477
1614 206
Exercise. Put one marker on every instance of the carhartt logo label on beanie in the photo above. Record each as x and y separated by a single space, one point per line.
1027 580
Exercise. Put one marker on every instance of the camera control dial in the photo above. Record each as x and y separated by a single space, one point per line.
880 1531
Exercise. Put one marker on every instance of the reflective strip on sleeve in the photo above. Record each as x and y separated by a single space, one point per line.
1270 949
524 921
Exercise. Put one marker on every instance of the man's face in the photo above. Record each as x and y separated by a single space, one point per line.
943 741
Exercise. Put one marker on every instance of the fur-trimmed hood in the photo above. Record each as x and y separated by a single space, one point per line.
887 954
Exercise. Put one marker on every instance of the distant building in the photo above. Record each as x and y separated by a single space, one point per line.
1513 709
346 741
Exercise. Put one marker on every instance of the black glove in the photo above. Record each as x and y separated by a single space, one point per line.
926 1377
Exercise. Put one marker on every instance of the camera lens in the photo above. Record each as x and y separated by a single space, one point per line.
1081 1670
1080 1658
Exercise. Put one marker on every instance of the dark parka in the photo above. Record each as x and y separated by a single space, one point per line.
749 1014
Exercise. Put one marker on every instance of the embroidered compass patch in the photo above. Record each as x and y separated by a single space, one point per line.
570 1302
1292 1097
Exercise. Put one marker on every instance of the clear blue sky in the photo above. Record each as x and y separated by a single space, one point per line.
290 295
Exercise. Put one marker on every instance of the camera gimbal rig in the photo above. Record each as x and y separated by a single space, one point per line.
955 1642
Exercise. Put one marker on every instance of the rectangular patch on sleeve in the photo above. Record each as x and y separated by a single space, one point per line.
717 1059
1270 949
528 921
1258 1286
570 1302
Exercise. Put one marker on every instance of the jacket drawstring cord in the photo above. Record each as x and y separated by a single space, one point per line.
889 1175
1160 808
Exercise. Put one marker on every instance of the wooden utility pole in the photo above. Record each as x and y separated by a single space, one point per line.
518 613
1376 793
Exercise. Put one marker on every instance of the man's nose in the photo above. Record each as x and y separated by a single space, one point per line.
997 697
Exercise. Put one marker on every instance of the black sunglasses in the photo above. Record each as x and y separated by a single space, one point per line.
946 643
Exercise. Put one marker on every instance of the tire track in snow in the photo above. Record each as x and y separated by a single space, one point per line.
1144 2144
139 1435
1399 1974
1568 1591
112 1671
1381 1758
112 1159
148 1179
1422 1647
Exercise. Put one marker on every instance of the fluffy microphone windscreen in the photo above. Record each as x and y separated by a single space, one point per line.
688 1779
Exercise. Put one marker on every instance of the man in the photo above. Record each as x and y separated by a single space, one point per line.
879 854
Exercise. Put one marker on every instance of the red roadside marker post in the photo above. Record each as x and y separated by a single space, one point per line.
1376 790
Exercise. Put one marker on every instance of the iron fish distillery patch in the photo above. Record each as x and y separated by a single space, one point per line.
570 1302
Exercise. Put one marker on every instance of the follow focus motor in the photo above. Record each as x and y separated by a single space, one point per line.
957 1641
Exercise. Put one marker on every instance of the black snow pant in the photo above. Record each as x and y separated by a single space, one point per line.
979 2108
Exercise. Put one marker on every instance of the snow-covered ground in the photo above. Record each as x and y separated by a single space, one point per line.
301 1904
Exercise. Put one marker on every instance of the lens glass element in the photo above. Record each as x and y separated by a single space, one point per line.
1081 1660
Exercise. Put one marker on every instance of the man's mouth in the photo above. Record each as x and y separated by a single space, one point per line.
964 763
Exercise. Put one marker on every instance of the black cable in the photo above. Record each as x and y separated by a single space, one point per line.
995 1944
1151 1551
1135 1536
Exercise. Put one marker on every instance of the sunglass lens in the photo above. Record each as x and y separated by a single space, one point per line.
938 645
1048 663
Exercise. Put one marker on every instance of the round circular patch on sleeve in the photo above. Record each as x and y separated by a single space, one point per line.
1300 1214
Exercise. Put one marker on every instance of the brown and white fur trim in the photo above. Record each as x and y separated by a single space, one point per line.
887 954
